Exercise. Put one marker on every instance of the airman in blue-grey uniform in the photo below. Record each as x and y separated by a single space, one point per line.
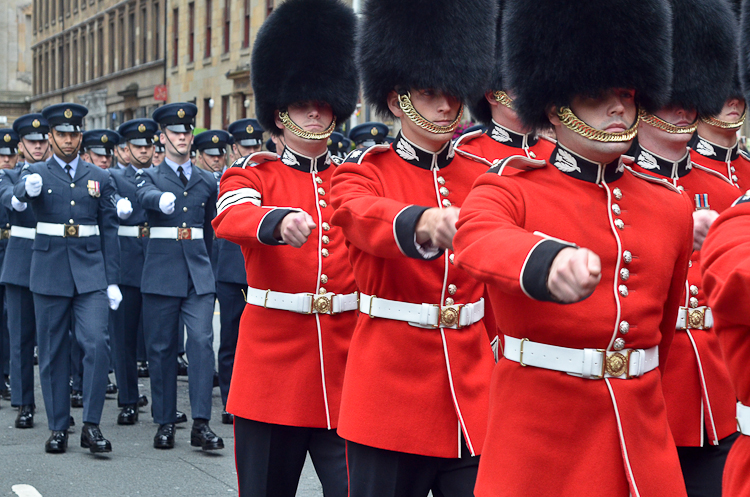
9 140
98 147
32 129
367 134
74 274
180 202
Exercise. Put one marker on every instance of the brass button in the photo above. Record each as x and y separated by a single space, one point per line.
326 227
184 225
693 302
681 188
49 191
734 178
452 289
321 191
693 290
624 327
732 169
184 194
627 257
324 252
70 221
620 224
145 224
444 191
449 301
72 202
322 291
690 263
441 180
451 257
323 279
203 204
623 290
326 239
72 185
532 154
619 344
617 193
323 203
446 202
624 274
616 209
319 180
184 209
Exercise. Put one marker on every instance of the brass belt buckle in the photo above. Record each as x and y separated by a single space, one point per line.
184 234
5 234
450 316
696 319
617 364
144 231
322 304
71 230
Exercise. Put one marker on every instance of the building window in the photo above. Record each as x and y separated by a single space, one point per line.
191 32
61 67
100 51
111 47
144 37
207 113
209 6
61 10
246 26
242 109
224 111
53 12
175 36
226 26
269 7
121 45
131 39
157 30
74 60
84 58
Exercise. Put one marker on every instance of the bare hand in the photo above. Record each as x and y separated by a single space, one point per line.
574 274
438 226
702 220
295 228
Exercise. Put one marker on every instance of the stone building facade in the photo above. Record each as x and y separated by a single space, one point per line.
15 59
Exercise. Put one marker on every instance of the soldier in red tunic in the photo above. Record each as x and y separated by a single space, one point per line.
301 300
576 404
416 388
697 388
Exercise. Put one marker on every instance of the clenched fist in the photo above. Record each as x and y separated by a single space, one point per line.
438 226
574 274
295 228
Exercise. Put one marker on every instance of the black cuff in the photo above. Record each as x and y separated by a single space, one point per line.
268 225
536 271
405 227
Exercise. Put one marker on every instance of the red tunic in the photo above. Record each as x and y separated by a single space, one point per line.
729 162
499 142
589 437
726 281
406 388
698 392
288 367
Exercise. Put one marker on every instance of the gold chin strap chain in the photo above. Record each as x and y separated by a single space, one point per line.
307 135
503 98
724 124
663 125
571 121
404 101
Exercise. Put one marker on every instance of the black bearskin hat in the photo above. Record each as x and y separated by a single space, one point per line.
445 45
555 50
480 108
294 57
705 46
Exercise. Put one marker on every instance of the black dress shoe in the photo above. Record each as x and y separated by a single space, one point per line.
111 387
143 369
202 436
164 438
72 422
181 417
25 418
56 443
92 439
227 418
142 401
76 398
36 357
182 365
5 388
128 415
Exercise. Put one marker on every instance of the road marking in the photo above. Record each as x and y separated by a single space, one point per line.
24 490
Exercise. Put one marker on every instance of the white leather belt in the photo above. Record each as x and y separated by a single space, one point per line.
422 315
67 230
23 232
177 233
698 318
743 418
134 231
302 303
587 363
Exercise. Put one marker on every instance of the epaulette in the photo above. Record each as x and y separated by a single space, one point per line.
743 199
653 179
25 167
468 137
253 160
357 155
520 162
337 160
744 154
469 155
697 166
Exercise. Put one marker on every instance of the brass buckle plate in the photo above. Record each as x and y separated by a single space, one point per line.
71 230
322 304
696 319
450 316
5 234
617 364
144 231
184 234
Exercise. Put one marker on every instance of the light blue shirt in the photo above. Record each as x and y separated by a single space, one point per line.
73 165
187 168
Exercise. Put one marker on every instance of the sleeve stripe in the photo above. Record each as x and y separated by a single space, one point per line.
238 197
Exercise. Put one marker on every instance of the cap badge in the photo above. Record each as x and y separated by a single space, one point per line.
68 113
35 123
141 128
180 113
249 129
215 139
105 139
6 138
374 131
330 142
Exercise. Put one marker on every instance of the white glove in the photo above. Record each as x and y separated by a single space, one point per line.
33 185
17 204
114 296
166 202
124 208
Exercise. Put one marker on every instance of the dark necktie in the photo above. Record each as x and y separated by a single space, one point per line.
67 170
183 178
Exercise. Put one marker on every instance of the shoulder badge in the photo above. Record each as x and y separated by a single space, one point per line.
653 179
743 199
518 162
711 172
475 158
337 160
357 155
253 160
464 139
745 155
25 167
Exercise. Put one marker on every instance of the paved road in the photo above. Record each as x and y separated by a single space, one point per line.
134 468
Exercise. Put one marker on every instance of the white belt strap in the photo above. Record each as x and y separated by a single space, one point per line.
698 318
67 230
743 418
130 231
178 233
302 303
23 232
422 315
586 363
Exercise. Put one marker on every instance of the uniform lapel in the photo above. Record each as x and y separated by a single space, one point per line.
195 178
82 170
56 170
170 175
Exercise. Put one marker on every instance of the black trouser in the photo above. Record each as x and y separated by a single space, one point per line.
270 458
377 472
703 467
124 336
231 305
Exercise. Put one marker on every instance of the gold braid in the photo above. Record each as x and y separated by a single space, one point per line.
725 124
503 98
307 135
573 123
663 125
404 101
